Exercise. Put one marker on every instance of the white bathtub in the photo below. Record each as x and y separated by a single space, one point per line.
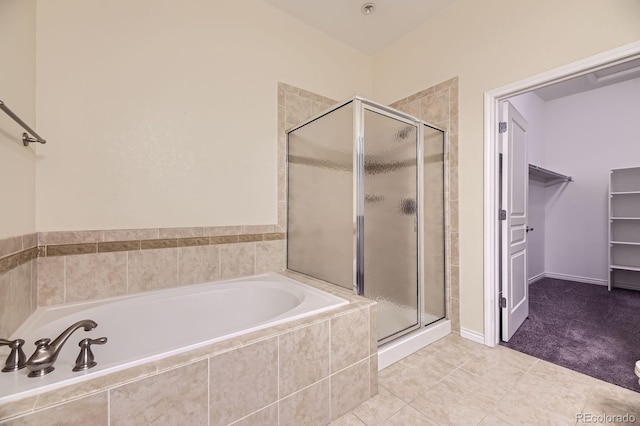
144 327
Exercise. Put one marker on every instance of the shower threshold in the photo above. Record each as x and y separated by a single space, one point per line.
394 351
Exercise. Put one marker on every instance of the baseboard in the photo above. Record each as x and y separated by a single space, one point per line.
585 280
472 335
536 278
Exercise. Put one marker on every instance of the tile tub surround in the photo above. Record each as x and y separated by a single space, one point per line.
298 372
17 282
84 265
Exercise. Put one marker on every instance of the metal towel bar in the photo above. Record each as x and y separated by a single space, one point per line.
26 139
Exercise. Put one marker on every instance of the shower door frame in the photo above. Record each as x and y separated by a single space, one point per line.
359 106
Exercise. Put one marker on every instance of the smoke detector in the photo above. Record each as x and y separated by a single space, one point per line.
368 8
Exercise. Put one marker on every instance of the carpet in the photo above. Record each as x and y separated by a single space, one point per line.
583 327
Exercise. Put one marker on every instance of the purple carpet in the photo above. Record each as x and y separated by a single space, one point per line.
583 327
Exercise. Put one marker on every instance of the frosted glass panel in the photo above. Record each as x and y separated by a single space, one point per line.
433 226
390 236
320 208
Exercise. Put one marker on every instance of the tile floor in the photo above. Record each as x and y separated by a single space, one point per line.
457 381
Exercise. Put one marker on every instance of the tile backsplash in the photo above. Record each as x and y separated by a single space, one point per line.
17 281
50 268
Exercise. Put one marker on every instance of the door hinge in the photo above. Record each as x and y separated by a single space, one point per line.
502 127
503 302
502 215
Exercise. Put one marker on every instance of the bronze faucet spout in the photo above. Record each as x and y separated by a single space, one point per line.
41 362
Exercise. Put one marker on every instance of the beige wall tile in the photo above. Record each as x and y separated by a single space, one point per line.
6 309
91 410
72 249
96 276
29 240
266 417
282 216
373 329
454 314
34 283
222 230
10 245
298 108
270 256
310 406
243 381
111 246
181 232
237 260
257 229
70 237
373 374
71 392
282 183
21 294
175 397
453 118
349 339
131 234
18 407
50 280
198 264
454 282
435 108
152 269
304 357
349 388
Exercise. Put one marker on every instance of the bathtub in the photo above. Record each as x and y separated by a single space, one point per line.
149 326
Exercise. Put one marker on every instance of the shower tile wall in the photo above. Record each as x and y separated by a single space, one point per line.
294 106
439 105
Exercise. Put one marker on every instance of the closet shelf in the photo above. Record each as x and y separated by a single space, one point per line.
625 268
547 177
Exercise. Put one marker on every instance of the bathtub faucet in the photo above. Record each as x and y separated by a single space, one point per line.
41 362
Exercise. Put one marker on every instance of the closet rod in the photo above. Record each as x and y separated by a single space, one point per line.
26 139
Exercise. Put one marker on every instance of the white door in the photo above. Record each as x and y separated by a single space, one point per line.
515 185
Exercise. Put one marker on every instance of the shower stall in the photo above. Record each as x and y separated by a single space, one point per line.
366 210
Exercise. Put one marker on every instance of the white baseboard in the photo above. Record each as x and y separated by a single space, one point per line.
576 278
536 278
472 335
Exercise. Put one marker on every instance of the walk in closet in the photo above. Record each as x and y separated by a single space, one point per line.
624 228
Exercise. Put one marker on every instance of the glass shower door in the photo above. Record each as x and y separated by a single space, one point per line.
390 222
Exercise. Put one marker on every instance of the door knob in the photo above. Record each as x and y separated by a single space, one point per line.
529 228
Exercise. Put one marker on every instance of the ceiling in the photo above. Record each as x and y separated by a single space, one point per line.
343 20
604 77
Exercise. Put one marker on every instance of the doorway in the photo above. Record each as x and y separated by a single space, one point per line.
492 222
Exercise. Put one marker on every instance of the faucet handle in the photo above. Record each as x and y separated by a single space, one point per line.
16 359
85 359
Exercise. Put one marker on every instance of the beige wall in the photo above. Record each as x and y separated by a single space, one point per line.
489 44
164 114
17 91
